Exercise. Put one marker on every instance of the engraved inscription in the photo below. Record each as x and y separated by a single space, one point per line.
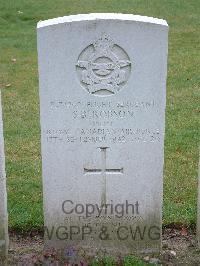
101 135
102 122
103 171
90 110
103 67
64 103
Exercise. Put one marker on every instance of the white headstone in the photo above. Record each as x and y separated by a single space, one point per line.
102 97
3 196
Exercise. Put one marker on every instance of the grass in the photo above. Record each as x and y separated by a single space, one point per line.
19 84
127 261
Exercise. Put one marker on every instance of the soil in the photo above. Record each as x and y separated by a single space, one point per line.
179 248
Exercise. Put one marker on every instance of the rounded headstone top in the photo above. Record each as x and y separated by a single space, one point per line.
101 16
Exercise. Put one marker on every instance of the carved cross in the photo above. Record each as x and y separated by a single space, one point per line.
103 171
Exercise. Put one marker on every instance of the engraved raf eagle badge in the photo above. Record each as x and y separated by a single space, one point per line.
103 67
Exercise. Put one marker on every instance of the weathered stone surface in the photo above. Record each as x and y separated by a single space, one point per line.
102 98
3 196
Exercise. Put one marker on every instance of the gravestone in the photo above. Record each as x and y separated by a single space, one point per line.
3 197
102 105
198 207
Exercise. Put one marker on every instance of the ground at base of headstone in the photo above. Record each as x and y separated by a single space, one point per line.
179 248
